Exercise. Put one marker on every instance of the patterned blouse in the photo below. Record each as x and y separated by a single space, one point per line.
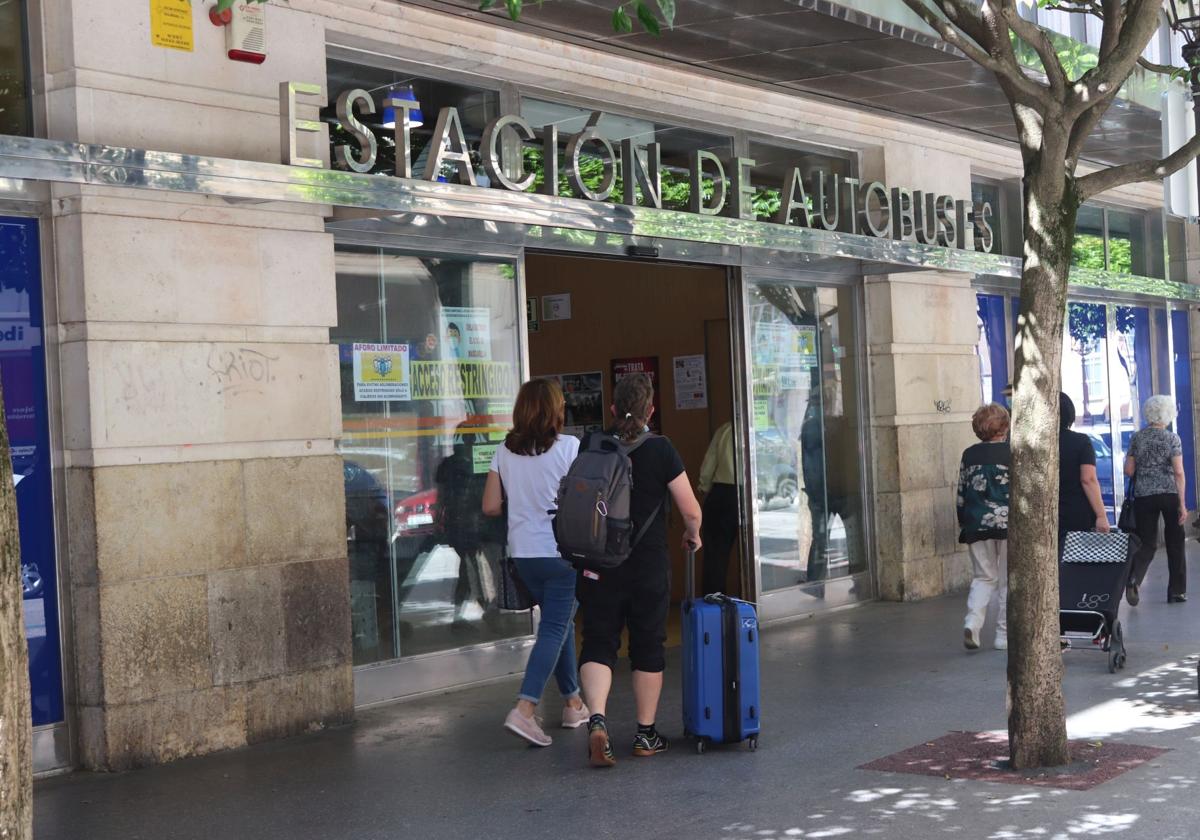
983 493
1152 450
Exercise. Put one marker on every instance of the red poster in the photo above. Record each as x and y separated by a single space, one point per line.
649 366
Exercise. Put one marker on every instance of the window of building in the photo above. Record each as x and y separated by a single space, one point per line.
476 107
14 84
430 362
773 169
677 143
1120 241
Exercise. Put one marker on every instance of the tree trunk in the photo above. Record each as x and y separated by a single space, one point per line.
16 771
1036 720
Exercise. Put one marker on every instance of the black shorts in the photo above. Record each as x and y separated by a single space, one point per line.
636 595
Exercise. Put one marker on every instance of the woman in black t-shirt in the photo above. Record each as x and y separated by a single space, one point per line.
637 594
1080 505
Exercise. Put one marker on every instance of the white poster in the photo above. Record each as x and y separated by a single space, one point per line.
467 333
381 372
691 387
556 307
583 394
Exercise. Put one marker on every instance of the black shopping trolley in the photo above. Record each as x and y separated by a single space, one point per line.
1092 575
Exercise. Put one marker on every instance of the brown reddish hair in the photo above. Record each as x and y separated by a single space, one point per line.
538 417
989 421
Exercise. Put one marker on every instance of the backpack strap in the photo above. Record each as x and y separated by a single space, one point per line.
646 527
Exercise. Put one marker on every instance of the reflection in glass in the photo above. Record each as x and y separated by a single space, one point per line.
773 169
1183 399
424 561
1085 380
991 348
14 89
1088 250
806 452
1127 243
1134 383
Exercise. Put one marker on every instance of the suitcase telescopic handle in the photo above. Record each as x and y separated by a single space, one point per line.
689 573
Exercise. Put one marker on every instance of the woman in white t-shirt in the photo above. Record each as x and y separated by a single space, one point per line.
527 470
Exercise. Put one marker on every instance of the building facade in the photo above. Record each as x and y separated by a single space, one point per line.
263 324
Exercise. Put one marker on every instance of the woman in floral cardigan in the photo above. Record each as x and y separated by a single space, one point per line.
983 518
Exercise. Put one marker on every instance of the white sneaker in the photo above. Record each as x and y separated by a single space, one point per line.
528 728
970 638
1001 641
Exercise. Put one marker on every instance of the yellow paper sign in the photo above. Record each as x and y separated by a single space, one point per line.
171 24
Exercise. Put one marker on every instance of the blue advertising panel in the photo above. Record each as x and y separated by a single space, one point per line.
993 361
23 375
1183 399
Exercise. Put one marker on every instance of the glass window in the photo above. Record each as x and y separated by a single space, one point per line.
773 169
430 365
1183 399
14 87
1085 380
23 375
991 349
677 145
476 107
806 434
1176 231
1127 243
984 193
1088 250
1134 380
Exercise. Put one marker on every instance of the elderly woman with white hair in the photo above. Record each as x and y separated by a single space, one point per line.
1155 463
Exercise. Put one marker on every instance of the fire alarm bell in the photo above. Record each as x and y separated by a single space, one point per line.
245 35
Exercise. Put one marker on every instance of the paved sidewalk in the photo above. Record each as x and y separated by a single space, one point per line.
839 691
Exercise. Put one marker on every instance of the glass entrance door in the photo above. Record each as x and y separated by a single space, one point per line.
805 444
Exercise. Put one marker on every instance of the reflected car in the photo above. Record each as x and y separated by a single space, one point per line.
31 581
775 467
414 514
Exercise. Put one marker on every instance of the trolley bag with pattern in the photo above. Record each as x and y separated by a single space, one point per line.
720 667
592 522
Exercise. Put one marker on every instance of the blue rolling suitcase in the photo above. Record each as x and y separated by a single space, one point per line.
720 667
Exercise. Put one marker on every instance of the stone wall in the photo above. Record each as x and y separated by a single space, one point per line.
208 583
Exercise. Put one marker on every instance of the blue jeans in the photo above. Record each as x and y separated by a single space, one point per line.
551 582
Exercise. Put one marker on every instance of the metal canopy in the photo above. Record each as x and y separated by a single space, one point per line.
822 48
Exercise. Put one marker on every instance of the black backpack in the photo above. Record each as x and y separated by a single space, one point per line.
592 524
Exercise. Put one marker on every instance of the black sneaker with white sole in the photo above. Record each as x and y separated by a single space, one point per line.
647 744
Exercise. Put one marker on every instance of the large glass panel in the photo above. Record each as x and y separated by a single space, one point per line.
773 169
14 87
1088 251
677 144
991 348
476 106
1127 243
1085 380
430 365
1184 425
23 371
806 430
1134 381
1164 365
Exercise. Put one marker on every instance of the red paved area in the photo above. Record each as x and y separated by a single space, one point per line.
983 756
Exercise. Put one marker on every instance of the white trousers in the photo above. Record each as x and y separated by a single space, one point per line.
989 560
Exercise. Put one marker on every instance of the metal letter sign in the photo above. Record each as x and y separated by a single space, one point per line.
897 213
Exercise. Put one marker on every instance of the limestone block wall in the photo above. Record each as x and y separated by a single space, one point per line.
208 581
921 332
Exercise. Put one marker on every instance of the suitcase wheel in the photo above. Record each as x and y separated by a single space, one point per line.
753 742
701 745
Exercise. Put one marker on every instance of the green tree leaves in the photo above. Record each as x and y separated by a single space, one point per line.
652 14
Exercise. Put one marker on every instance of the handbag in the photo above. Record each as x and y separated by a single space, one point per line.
513 595
1127 521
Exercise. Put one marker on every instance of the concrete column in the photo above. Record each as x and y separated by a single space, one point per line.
208 583
921 332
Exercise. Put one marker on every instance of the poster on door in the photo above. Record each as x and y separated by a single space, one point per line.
649 366
381 372
583 394
691 387
467 333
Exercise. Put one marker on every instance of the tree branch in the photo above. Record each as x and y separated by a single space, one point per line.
1165 69
1131 173
1133 31
1037 38
957 36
